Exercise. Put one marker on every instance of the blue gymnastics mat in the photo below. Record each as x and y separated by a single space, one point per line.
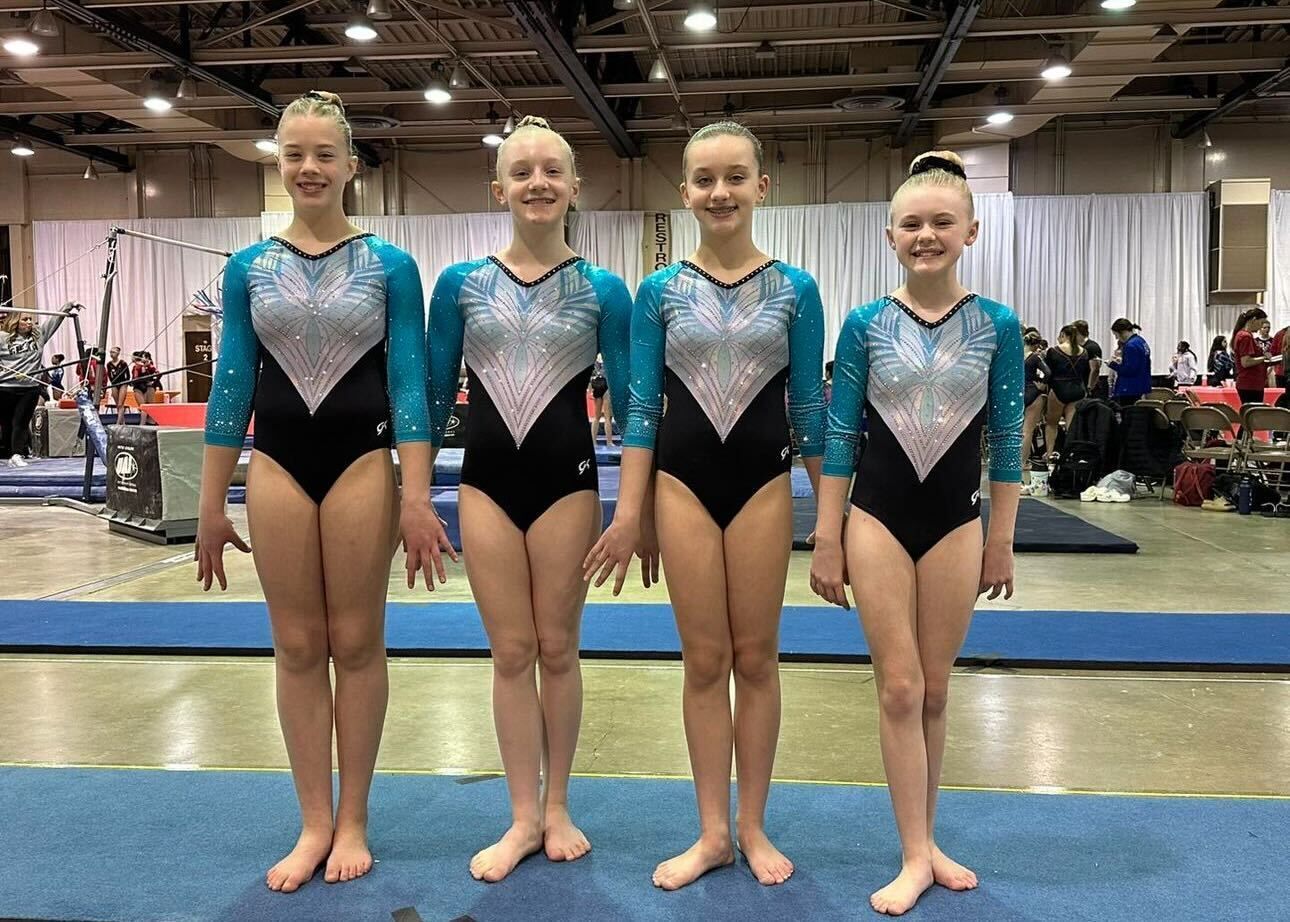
1150 640
193 846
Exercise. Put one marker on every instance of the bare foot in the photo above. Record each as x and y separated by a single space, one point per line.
949 873
563 840
687 867
349 855
301 862
766 862
500 858
899 896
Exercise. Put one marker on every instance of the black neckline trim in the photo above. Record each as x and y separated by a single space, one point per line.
970 296
720 284
325 253
541 278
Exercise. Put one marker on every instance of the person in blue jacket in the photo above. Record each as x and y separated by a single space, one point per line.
1131 362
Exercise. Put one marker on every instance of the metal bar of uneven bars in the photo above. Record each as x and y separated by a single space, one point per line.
22 310
179 243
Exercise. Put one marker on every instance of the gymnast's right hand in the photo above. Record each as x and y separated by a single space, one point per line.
213 532
829 572
612 553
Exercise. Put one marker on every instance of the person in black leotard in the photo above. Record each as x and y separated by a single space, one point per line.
722 335
530 321
1038 375
118 372
324 338
930 367
1068 381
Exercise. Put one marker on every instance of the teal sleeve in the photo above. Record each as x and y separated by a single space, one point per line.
405 349
1007 402
850 380
806 407
615 334
649 353
444 339
228 414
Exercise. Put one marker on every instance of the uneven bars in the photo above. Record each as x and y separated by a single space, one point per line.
23 310
179 243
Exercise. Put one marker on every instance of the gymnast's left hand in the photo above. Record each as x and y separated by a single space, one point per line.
612 553
426 541
996 571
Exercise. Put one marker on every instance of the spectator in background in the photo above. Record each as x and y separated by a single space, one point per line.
1251 363
1281 347
118 372
1068 378
52 379
1094 350
22 347
1220 365
1185 367
1131 363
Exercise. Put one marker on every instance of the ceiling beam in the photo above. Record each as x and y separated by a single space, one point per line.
1253 89
935 65
559 56
44 136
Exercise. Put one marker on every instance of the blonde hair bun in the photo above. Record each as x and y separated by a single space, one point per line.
949 155
533 121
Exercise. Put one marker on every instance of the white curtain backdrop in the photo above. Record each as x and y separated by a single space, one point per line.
155 283
612 239
1099 257
1278 303
844 246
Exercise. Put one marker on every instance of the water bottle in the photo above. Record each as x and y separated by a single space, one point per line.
1244 494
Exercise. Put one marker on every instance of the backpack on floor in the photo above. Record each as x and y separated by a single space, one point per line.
1097 423
1193 483
1078 467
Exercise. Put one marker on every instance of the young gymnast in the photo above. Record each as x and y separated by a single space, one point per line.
530 321
324 340
928 366
721 336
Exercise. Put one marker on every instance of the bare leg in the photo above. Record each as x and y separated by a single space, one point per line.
498 570
283 525
1034 413
1054 411
948 577
884 581
597 407
694 567
359 522
557 543
757 547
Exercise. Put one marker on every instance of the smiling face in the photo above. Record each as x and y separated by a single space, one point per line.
26 323
536 178
930 226
722 184
314 161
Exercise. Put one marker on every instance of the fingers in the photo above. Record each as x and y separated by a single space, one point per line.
645 571
445 545
236 540
654 562
621 575
1007 593
219 572
411 568
606 571
437 558
592 560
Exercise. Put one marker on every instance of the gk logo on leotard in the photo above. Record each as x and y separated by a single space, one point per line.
784 454
381 426
976 497
583 465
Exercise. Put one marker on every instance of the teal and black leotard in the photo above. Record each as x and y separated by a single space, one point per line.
529 348
329 351
723 354
926 390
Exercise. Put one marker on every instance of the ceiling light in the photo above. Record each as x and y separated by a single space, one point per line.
90 172
353 65
624 5
459 79
268 145
21 149
379 10
437 91
44 24
493 139
1215 156
765 52
1205 139
359 28
1118 4
658 73
701 17
21 45
187 88
510 124
999 118
1056 68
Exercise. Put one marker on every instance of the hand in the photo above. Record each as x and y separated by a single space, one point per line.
213 532
647 551
612 554
996 571
424 539
829 575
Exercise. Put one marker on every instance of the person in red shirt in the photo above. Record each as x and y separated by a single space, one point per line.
1280 346
1251 362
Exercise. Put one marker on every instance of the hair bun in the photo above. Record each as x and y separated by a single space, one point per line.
327 97
945 160
534 121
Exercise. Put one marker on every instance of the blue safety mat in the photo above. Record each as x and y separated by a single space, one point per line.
193 846
626 629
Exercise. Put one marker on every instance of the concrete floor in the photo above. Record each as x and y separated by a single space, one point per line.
1099 732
